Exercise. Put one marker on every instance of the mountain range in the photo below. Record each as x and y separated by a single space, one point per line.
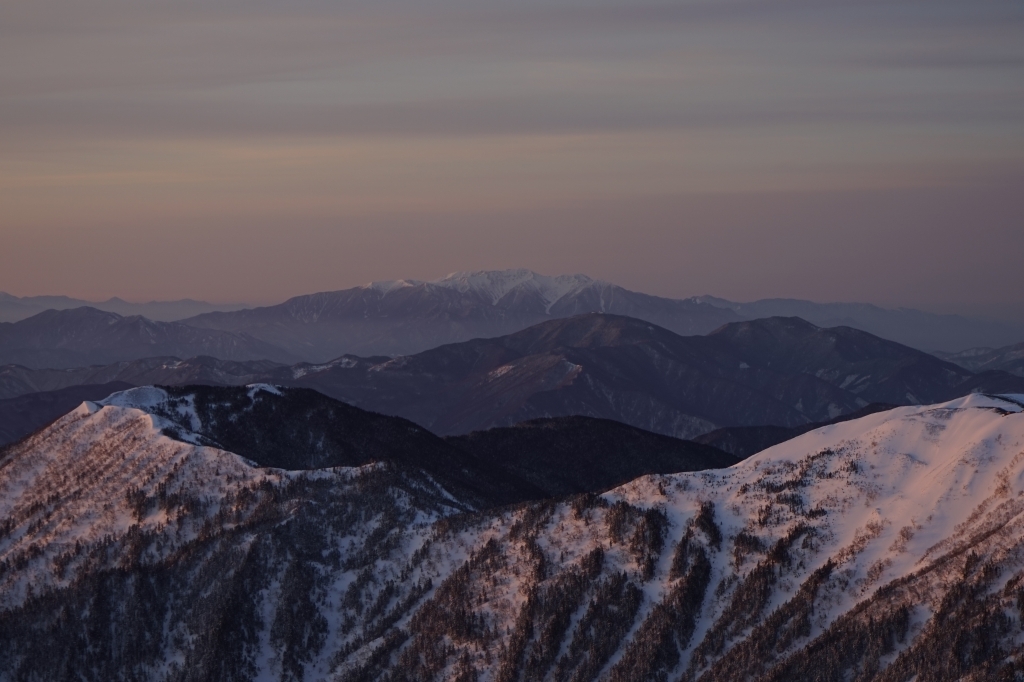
915 328
782 372
79 337
402 317
15 308
1008 359
405 317
134 547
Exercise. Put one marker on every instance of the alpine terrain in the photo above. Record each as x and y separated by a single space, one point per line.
133 547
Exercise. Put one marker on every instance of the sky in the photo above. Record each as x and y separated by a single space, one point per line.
250 150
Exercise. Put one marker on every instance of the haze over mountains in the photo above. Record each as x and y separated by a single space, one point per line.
779 371
506 508
407 316
1008 359
925 331
884 548
81 337
15 308
403 317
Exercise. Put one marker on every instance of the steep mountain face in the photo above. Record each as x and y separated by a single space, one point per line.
882 548
16 380
22 415
572 455
407 316
914 328
15 308
86 336
1008 359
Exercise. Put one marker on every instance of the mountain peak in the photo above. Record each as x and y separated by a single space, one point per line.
388 285
889 544
496 284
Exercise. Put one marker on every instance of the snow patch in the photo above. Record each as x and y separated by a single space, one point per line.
269 388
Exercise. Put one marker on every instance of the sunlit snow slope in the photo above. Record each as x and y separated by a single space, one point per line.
883 548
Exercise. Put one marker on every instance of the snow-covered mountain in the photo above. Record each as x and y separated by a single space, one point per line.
885 548
408 316
401 317
495 285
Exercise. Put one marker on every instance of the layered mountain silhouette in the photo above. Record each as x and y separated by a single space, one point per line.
404 317
407 316
18 380
86 336
15 308
914 328
778 371
132 546
775 372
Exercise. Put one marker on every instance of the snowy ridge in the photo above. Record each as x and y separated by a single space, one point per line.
494 285
879 548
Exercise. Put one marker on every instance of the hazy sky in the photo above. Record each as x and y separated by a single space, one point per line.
252 150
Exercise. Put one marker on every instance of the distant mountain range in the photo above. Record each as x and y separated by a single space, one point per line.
15 308
1008 359
917 329
134 544
405 317
24 414
79 337
16 380
402 317
781 372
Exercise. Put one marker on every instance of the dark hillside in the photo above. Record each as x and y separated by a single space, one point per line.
568 455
